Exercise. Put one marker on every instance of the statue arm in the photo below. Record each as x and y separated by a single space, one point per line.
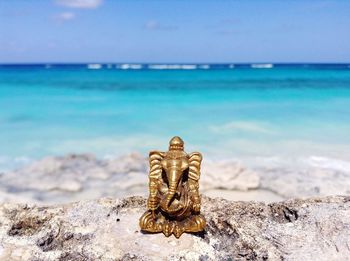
155 173
195 160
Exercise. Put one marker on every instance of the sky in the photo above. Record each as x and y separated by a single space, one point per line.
164 31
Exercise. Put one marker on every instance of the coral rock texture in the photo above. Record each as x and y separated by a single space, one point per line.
107 229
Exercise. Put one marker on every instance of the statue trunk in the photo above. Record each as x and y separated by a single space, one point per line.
174 175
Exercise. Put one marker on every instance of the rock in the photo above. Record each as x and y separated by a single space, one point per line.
107 229
306 182
228 175
79 177
76 177
69 178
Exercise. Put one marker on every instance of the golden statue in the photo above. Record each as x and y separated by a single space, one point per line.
174 202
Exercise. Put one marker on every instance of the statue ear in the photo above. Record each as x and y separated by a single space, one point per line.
155 158
194 172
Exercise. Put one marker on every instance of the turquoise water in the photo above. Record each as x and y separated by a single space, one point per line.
282 111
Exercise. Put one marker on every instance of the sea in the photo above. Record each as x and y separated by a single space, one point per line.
259 112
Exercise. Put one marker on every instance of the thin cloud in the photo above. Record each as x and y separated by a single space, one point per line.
83 4
65 16
156 26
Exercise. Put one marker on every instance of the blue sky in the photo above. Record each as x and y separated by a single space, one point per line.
174 31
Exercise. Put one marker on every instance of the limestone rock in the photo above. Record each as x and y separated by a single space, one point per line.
73 177
229 175
107 229
80 177
306 182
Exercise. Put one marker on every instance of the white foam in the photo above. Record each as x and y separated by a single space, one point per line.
172 66
136 66
231 66
262 66
124 66
204 66
329 163
189 67
129 66
94 66
164 66
9 163
243 126
157 66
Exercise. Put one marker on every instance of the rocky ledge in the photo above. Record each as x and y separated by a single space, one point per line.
107 229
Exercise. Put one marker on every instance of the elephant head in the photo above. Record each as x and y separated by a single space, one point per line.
174 165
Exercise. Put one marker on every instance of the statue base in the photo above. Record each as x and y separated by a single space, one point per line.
156 222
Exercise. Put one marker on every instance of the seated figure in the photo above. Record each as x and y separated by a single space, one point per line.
174 201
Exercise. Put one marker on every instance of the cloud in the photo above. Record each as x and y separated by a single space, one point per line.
83 4
65 16
153 25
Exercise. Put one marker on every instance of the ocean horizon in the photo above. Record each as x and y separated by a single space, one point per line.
179 66
269 111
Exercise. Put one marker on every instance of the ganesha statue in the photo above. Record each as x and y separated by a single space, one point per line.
173 206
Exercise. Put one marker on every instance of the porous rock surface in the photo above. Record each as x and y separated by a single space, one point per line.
107 229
